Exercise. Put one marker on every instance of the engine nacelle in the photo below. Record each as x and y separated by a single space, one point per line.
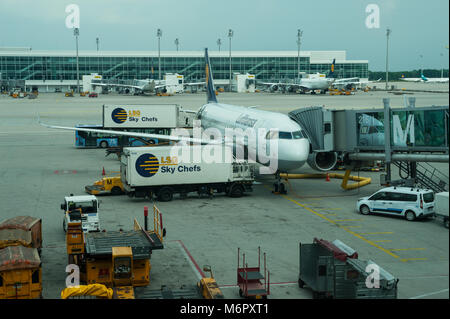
322 161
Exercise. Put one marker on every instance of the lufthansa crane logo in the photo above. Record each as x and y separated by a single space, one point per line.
119 115
147 165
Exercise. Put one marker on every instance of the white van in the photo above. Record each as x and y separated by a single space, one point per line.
409 202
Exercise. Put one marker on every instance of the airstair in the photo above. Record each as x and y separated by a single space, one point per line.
427 176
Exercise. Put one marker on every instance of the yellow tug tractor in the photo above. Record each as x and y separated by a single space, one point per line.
105 186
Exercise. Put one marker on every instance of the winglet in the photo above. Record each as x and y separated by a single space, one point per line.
210 91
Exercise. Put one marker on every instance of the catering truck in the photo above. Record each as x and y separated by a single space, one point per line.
163 171
146 116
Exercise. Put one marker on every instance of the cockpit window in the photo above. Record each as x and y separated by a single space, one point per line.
297 135
285 135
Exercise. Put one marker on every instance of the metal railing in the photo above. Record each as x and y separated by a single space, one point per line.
427 176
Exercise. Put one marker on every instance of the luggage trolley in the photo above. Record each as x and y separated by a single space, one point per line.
252 284
323 267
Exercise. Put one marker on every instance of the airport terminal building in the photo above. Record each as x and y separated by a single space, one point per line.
53 67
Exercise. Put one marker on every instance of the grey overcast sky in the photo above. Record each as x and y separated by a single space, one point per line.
419 27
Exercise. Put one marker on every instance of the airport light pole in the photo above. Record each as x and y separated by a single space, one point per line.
219 43
97 41
159 35
421 64
230 35
177 42
299 41
388 32
76 33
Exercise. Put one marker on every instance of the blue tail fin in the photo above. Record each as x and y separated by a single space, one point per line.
210 91
331 73
423 77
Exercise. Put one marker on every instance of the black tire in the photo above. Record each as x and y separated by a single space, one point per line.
301 283
116 190
241 293
165 194
103 144
410 215
446 222
364 210
236 191
64 225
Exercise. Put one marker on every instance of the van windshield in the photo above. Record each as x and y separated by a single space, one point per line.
428 197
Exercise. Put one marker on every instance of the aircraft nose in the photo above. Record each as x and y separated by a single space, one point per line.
294 155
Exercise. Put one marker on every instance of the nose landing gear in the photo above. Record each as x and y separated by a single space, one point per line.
278 186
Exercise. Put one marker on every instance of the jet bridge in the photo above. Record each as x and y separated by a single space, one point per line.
399 136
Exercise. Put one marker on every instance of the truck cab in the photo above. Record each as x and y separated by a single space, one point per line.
81 209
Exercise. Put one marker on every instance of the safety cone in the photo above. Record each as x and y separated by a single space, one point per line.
328 177
103 172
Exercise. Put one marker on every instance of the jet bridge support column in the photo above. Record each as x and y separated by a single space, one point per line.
387 141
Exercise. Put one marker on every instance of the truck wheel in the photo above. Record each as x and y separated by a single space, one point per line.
446 222
116 190
236 191
165 194
103 144
64 225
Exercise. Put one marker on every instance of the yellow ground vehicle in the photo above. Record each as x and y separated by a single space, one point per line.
69 94
208 286
20 273
107 185
117 259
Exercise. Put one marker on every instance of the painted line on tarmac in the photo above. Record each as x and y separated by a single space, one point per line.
197 270
401 249
382 241
430 294
347 220
347 230
413 259
377 233
288 283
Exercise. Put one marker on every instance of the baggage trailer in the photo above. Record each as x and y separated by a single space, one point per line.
20 273
333 270
22 224
251 283
384 288
322 268
167 170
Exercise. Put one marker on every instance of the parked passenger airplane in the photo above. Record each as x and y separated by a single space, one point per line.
304 85
147 86
293 144
424 79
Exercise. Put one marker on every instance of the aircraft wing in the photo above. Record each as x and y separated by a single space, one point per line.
119 85
194 83
173 138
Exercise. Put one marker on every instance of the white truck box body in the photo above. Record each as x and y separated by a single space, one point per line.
146 166
441 204
141 116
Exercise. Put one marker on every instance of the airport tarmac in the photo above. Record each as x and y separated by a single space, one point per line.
39 166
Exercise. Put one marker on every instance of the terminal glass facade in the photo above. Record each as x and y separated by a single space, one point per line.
266 68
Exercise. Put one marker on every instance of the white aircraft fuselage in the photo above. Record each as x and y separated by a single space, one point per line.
293 149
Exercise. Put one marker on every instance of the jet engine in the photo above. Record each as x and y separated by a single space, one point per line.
322 161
